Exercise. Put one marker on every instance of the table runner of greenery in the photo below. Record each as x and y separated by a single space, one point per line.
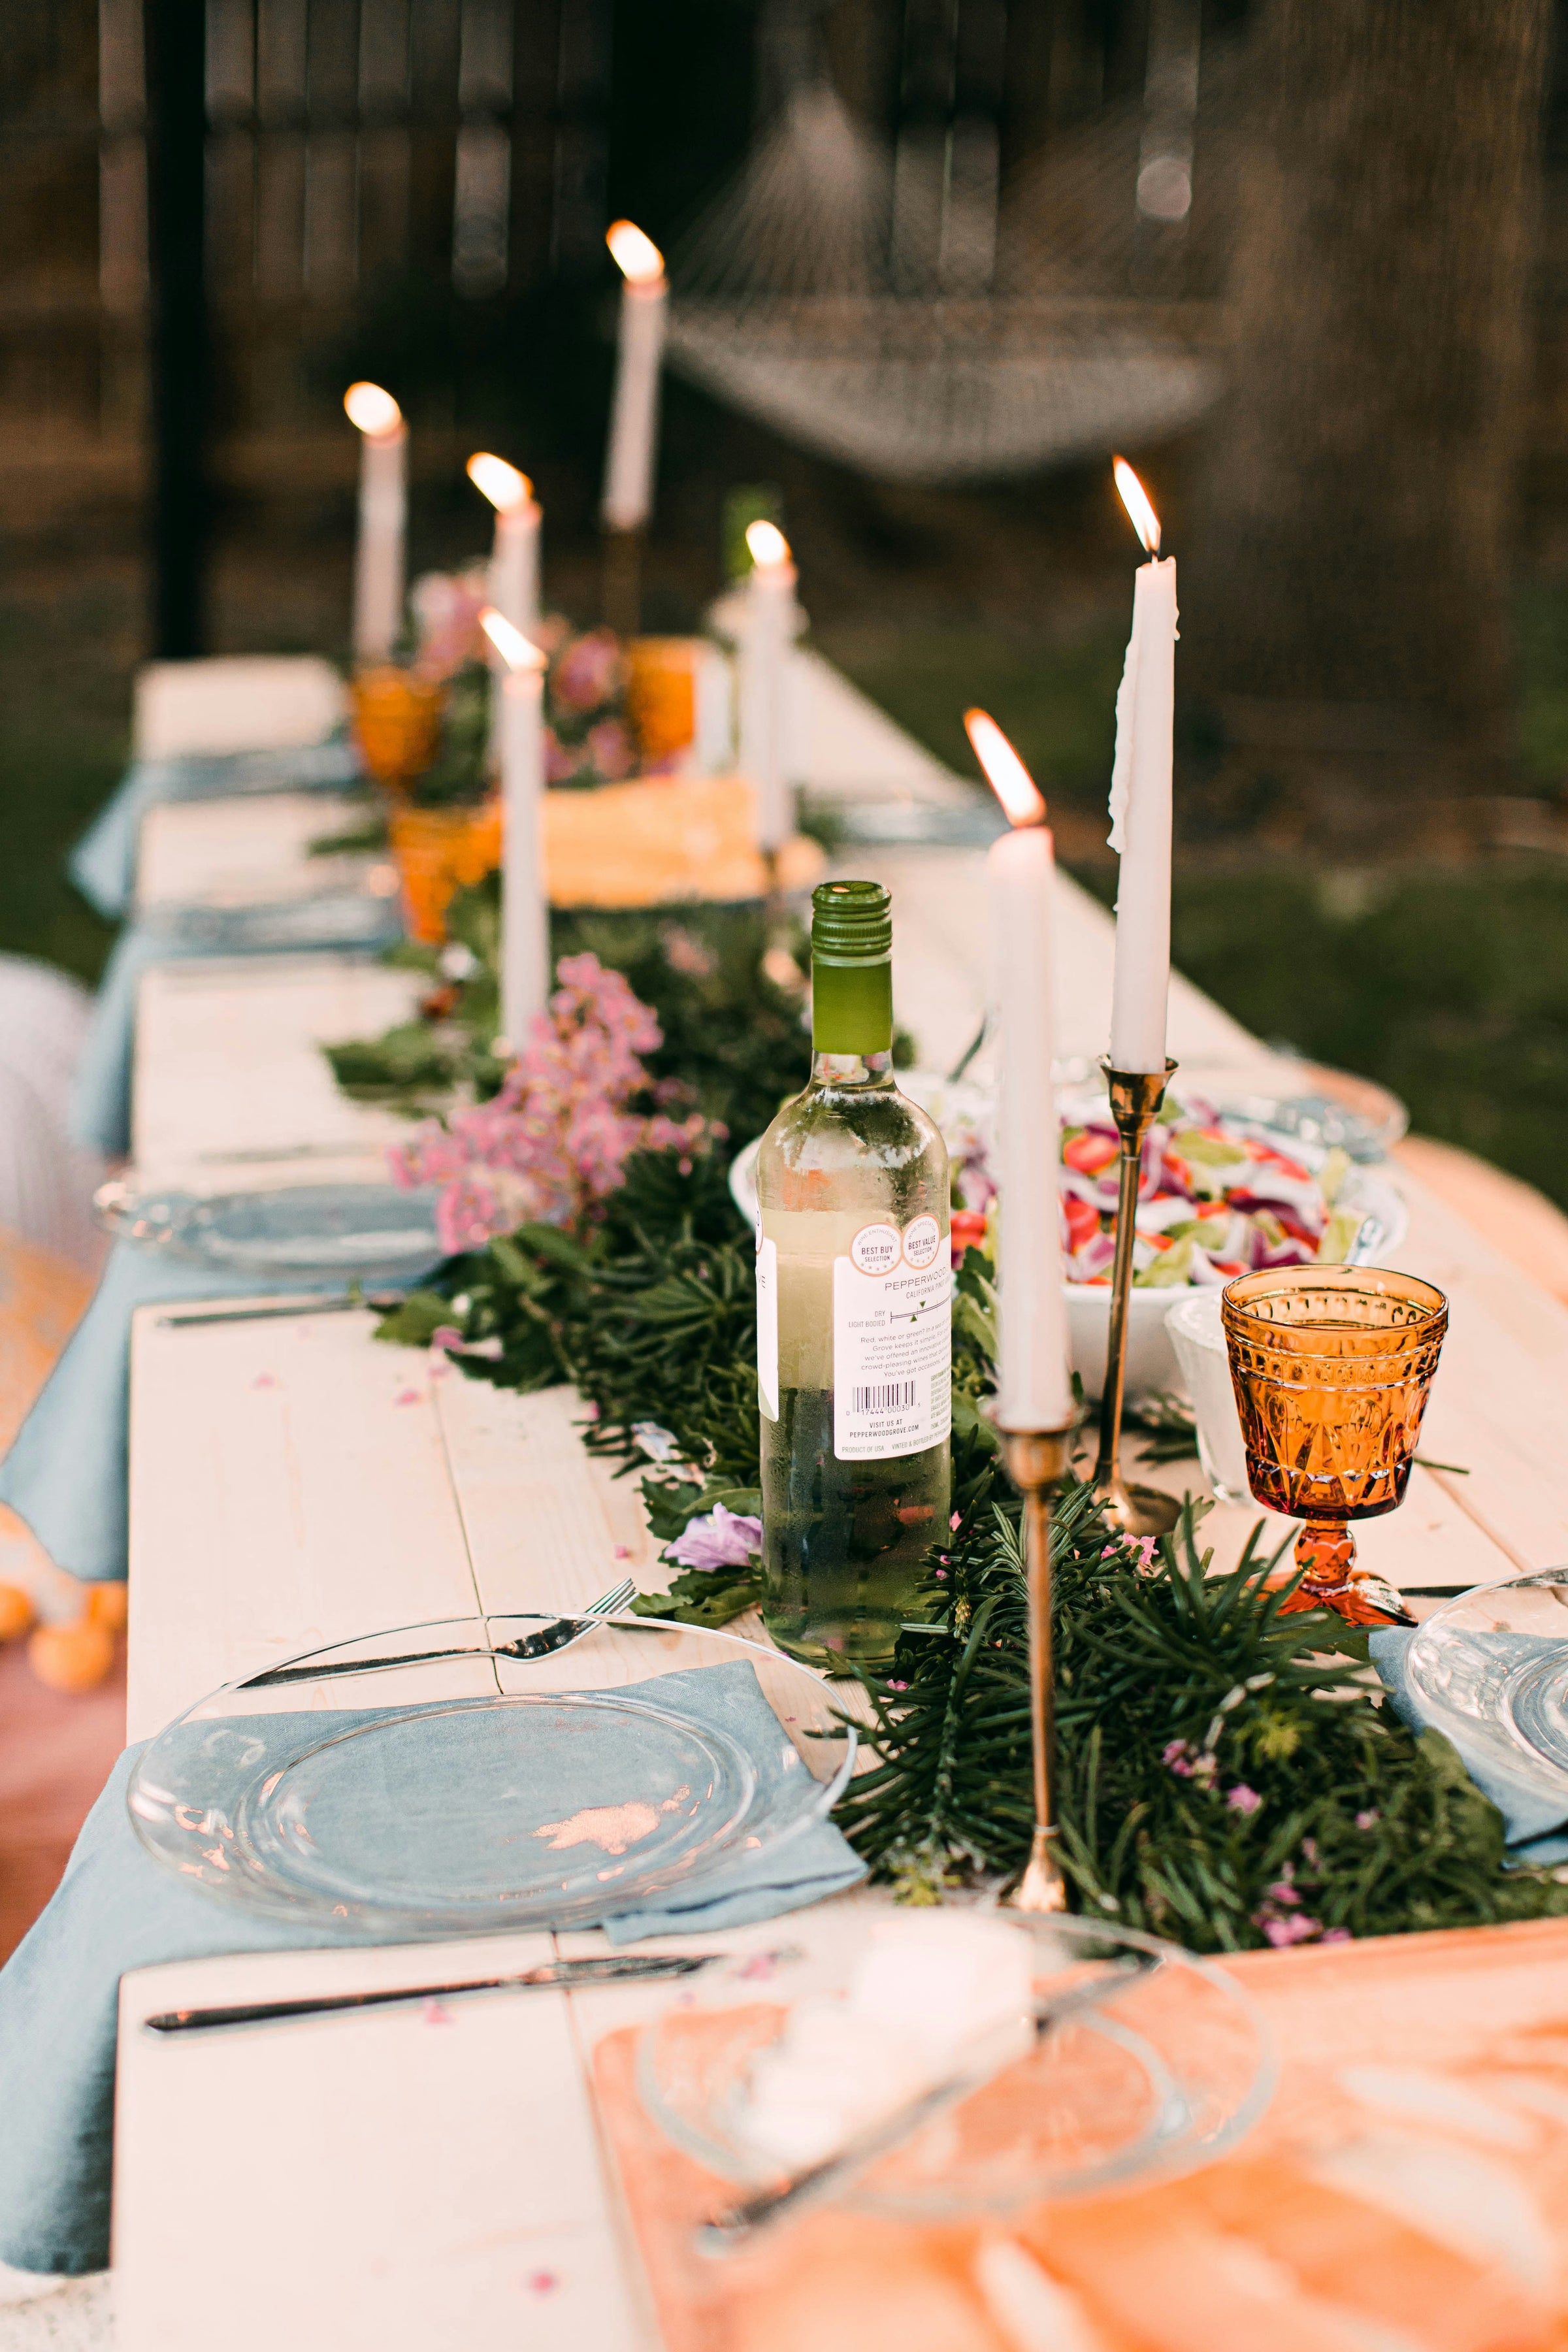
1227 1776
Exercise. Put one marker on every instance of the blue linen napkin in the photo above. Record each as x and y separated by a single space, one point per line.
1536 1826
103 863
100 1091
68 1471
118 1908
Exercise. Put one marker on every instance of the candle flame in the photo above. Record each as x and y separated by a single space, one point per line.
502 484
636 255
514 649
1021 798
372 411
1136 500
767 543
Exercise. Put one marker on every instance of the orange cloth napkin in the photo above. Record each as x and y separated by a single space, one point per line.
1407 2186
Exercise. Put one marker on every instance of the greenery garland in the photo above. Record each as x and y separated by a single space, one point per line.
1227 1776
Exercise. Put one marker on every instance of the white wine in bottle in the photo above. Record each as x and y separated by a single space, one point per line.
854 1314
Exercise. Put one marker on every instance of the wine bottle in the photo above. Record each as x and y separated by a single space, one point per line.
854 1314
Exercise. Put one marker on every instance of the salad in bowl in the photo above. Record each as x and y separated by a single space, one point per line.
1222 1193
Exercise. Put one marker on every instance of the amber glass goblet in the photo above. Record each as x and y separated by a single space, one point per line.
1332 1366
396 723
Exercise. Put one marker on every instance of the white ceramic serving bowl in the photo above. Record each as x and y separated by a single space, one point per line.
1151 1366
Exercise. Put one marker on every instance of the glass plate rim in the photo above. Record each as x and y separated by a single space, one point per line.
1185 2156
1502 1737
243 1894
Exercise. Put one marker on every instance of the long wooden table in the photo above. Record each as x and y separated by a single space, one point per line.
386 2181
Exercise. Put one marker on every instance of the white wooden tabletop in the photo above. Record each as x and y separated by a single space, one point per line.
252 850
414 2183
230 1084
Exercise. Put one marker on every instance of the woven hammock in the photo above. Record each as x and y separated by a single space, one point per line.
801 299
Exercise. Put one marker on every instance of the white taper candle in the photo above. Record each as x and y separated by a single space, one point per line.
383 520
634 416
1140 802
514 565
1034 1383
1034 1386
767 653
525 907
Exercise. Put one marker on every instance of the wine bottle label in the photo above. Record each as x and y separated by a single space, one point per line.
892 1342
767 1325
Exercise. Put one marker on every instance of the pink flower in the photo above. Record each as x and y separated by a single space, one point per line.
561 764
1243 1800
467 1214
588 674
685 954
556 1140
1369 1820
445 1335
955 1522
1178 1758
1282 1892
610 748
447 608
720 1538
1296 1928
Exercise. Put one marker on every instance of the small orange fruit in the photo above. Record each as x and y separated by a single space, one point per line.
108 1605
72 1658
17 1612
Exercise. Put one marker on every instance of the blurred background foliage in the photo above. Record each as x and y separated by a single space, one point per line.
1435 961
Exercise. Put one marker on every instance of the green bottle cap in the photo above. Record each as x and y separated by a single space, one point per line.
851 971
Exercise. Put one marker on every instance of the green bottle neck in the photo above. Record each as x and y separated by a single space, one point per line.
851 1009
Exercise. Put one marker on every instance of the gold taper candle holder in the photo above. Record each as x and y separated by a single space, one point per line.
1036 1463
623 581
1135 1098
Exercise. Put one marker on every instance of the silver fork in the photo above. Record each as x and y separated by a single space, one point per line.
558 1635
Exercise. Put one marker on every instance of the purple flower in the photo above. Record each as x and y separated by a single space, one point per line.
1243 1800
721 1538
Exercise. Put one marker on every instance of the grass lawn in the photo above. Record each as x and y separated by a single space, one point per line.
1448 985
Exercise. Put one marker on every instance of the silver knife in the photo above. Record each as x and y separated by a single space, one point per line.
554 1976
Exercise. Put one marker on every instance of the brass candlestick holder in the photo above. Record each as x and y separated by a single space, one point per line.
1135 1097
621 591
1036 1463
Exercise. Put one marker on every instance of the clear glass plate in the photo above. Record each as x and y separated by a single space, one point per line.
439 1779
369 1230
1166 2070
1491 1669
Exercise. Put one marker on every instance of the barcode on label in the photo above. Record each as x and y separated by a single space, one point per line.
893 1396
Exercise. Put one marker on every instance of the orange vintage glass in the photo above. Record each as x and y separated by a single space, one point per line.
437 851
1332 1366
397 722
661 696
